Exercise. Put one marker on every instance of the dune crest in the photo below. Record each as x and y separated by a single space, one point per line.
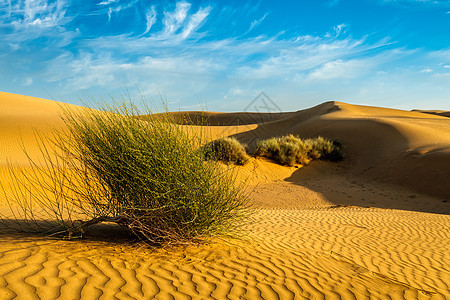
443 113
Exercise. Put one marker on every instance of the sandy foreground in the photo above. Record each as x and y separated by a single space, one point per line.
375 225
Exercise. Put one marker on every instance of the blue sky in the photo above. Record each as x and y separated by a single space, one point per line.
221 54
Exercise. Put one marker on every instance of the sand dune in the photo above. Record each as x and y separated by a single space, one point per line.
386 145
225 119
20 118
443 113
372 226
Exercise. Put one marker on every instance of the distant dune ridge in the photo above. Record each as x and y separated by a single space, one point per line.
443 113
388 145
373 225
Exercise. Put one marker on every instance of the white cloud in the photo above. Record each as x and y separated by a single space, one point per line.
175 73
150 17
304 55
171 55
256 23
29 20
178 25
195 22
176 57
174 19
337 30
444 3
339 69
118 8
222 66
108 2
37 13
442 55
426 71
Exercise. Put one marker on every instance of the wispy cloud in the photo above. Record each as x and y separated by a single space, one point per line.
337 30
195 21
255 23
225 66
443 3
174 19
175 57
175 48
150 17
340 69
22 22
33 13
107 2
115 7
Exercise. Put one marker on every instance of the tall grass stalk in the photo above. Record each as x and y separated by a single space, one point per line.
144 173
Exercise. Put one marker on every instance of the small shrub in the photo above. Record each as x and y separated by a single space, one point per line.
148 176
336 153
269 148
291 150
228 150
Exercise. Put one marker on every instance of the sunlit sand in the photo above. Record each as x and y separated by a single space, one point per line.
372 226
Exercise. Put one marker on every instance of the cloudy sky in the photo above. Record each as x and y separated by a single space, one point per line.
219 55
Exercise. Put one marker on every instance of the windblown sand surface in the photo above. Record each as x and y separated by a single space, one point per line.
373 226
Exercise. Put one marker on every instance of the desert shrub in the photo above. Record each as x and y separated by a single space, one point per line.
269 148
291 150
228 150
148 176
336 153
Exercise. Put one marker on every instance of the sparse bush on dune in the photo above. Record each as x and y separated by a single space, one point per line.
291 150
227 150
147 176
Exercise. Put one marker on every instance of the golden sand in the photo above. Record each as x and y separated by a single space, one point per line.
373 226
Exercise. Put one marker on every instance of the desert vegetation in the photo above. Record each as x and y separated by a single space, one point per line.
287 150
227 150
291 150
113 165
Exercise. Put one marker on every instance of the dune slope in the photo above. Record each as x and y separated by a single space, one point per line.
409 149
21 117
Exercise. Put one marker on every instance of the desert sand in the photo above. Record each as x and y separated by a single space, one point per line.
443 113
375 225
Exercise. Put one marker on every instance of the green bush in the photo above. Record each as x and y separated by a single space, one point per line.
147 176
291 150
228 150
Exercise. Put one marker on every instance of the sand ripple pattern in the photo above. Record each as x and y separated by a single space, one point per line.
334 253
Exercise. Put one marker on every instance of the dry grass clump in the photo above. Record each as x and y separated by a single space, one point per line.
148 176
228 150
291 150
